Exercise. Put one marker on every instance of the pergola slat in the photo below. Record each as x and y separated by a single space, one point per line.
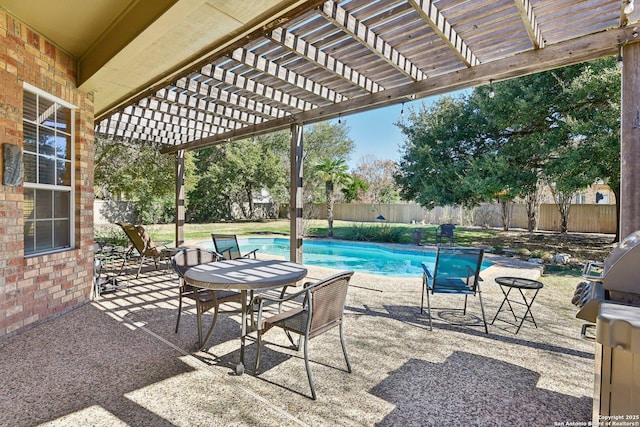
339 57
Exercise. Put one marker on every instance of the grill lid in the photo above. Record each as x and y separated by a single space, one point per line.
622 266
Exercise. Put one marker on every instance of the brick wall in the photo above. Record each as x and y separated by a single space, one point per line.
35 289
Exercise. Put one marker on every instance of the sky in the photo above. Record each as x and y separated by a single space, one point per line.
374 133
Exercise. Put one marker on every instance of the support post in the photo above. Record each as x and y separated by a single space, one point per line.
296 201
179 198
630 142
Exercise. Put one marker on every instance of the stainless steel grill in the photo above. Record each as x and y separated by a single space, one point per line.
609 299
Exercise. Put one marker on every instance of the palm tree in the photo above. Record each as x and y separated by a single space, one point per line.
333 173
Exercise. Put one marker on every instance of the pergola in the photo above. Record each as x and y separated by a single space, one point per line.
229 71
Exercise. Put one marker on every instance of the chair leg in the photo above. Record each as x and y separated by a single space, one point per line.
140 266
464 311
429 311
484 319
179 312
306 364
202 342
259 352
424 286
344 349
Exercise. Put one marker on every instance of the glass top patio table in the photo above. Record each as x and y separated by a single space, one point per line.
244 275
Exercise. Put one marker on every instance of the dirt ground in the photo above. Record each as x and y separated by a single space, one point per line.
582 247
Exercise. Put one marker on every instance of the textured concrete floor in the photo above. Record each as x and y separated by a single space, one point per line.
117 361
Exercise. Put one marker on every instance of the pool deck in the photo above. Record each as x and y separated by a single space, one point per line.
117 361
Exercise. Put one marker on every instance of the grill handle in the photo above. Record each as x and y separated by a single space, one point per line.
583 332
594 271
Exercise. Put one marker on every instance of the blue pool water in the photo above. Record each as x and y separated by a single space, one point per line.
363 257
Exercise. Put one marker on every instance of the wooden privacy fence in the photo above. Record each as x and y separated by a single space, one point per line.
582 218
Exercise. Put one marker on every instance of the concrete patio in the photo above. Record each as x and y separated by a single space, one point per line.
117 361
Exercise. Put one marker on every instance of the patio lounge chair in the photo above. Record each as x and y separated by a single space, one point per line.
457 272
141 241
205 299
321 310
227 246
445 232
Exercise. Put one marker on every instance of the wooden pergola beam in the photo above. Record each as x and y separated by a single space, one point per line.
286 75
207 56
530 22
256 88
534 61
210 91
360 32
298 46
431 15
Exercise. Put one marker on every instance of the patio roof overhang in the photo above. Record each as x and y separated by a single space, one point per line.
191 73
317 60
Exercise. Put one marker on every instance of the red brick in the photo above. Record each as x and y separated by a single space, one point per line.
38 287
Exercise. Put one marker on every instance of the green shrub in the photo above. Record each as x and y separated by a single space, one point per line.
375 233
523 252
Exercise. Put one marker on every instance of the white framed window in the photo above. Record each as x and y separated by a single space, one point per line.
579 199
48 143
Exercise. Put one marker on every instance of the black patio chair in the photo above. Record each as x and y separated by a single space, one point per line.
445 232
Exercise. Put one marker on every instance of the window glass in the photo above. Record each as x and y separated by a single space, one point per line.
30 167
61 234
63 146
46 112
29 205
63 172
29 137
44 235
29 237
48 173
44 204
46 170
46 142
61 205
63 119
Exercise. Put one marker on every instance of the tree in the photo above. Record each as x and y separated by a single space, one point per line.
595 123
379 174
354 189
334 174
471 149
441 139
138 171
325 140
234 174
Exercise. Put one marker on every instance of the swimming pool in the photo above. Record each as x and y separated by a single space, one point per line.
362 257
